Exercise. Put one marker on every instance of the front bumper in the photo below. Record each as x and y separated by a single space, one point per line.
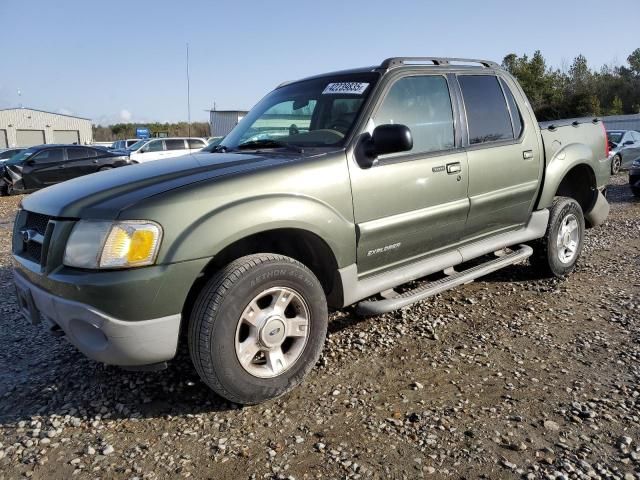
98 335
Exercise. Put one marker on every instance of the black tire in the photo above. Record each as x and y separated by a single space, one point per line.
616 164
546 258
4 190
216 315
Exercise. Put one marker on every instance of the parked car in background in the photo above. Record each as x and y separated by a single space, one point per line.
38 167
124 144
634 177
159 148
7 153
625 148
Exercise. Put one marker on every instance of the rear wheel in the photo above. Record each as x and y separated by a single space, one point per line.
558 251
616 164
258 327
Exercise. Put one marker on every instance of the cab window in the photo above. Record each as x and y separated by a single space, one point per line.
423 104
488 118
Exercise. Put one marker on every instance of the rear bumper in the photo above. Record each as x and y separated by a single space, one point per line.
99 336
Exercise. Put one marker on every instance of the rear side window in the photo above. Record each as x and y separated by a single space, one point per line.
174 144
195 143
488 118
423 104
80 152
516 117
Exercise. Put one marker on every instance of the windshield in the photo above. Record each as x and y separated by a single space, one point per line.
615 137
313 113
136 146
19 157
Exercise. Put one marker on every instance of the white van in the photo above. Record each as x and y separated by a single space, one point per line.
158 148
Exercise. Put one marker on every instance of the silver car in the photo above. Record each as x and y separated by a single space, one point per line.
624 148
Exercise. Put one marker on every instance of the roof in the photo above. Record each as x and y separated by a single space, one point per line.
45 111
409 62
230 111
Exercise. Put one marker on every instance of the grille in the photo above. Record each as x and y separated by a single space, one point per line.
33 250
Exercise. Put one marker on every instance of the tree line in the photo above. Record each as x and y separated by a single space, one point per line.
577 91
120 131
554 93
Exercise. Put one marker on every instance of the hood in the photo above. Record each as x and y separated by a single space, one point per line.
103 195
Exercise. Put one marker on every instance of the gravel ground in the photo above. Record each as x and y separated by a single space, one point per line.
511 376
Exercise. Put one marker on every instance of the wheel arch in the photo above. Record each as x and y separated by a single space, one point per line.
574 179
302 245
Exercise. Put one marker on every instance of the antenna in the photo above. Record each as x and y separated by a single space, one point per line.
19 98
188 95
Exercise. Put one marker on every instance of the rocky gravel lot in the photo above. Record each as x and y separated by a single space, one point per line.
512 376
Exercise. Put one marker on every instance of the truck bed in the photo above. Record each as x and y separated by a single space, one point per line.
559 134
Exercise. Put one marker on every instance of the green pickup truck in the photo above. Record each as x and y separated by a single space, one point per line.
332 191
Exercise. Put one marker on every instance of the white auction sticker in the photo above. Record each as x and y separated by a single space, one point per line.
348 88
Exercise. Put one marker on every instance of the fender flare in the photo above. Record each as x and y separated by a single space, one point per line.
210 234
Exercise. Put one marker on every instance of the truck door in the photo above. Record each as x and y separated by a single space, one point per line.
503 152
411 204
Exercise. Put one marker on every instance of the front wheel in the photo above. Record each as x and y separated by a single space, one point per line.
258 327
558 251
616 164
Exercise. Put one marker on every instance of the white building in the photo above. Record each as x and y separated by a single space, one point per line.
25 127
223 121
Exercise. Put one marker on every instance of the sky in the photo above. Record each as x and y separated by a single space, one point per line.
124 61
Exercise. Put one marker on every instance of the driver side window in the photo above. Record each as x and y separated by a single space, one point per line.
52 155
155 146
423 104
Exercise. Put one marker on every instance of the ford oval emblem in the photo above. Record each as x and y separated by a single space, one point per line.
28 235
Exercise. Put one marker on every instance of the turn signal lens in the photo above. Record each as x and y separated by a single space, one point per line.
131 244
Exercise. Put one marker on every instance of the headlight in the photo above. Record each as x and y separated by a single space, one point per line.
98 244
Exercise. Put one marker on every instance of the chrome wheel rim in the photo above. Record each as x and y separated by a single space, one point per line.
568 238
617 161
272 332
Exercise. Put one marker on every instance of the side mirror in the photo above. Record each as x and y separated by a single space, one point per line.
30 163
390 138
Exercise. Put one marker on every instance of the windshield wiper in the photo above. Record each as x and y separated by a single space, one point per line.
269 143
220 149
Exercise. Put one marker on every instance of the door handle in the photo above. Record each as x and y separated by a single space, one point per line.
453 168
527 154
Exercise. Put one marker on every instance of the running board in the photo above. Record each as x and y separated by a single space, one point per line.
376 307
